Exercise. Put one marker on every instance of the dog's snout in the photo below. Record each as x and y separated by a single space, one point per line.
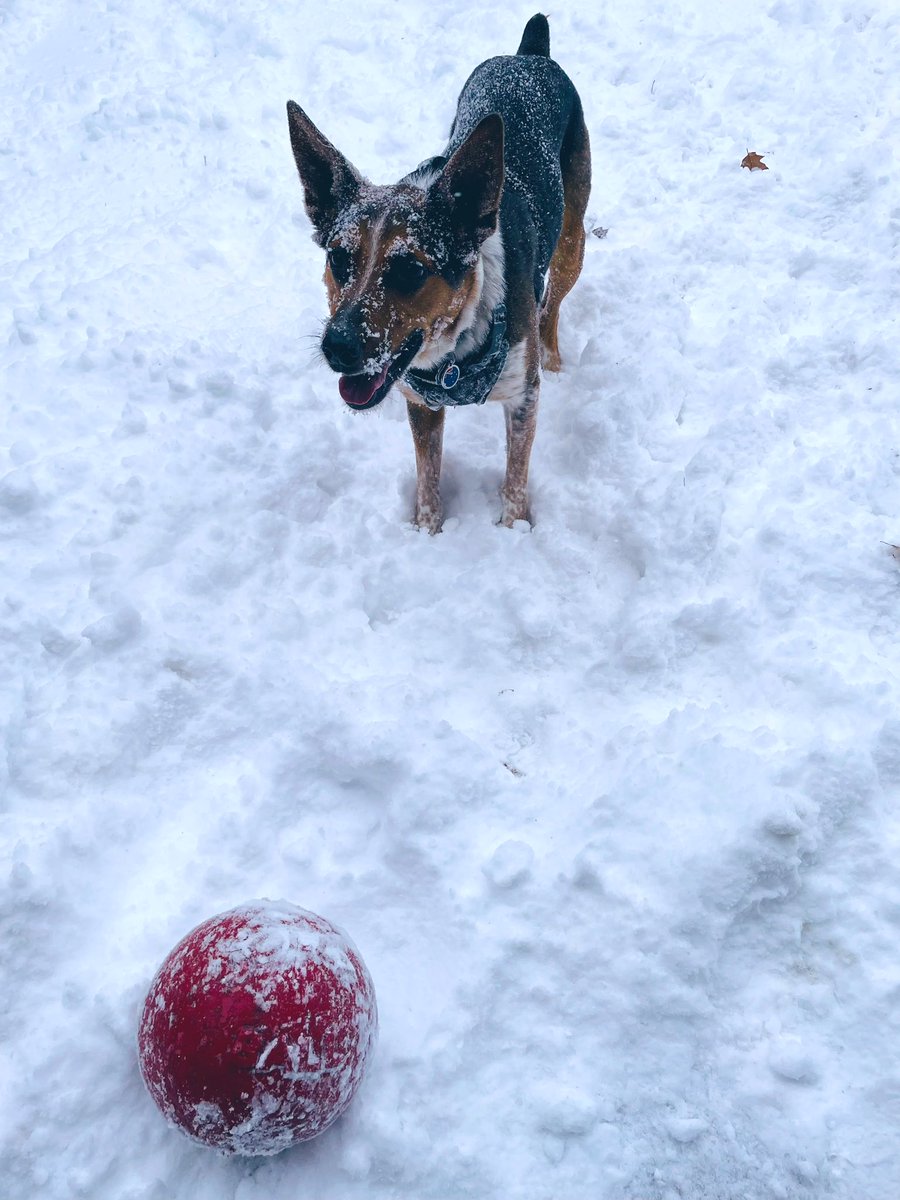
343 349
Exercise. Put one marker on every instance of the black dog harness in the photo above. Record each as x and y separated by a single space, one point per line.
469 380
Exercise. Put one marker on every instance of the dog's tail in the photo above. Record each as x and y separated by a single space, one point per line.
536 37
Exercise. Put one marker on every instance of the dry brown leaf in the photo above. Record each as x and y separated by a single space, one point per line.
754 161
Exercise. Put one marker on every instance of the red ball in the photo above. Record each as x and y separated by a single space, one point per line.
257 1028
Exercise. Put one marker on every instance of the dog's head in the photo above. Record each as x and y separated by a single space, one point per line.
401 261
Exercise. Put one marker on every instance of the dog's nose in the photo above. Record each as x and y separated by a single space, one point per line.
343 350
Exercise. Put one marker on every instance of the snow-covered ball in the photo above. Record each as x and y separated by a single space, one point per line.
256 1031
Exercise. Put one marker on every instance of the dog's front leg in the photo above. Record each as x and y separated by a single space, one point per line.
521 424
428 437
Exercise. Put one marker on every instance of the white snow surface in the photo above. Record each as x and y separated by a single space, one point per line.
609 805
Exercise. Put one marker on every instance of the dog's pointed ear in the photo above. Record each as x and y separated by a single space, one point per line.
471 184
329 181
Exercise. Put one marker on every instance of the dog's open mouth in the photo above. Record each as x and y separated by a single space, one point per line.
365 391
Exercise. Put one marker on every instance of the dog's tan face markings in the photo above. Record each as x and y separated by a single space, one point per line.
377 266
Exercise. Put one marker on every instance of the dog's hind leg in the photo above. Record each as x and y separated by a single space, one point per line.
428 437
565 265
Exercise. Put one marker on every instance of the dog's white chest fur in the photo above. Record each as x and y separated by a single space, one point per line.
510 387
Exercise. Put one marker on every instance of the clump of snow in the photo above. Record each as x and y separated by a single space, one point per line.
114 629
18 492
510 864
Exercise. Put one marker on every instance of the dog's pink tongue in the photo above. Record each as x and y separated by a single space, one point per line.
359 389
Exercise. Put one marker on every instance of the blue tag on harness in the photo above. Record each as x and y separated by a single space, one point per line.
449 376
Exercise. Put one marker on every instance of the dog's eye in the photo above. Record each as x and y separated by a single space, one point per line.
404 274
341 263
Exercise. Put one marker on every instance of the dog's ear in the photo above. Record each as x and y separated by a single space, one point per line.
329 181
471 184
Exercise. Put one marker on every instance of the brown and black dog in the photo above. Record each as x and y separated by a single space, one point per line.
449 282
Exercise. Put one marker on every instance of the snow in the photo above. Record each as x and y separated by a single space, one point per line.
609 805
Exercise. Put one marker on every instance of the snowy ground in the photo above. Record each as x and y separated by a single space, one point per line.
609 806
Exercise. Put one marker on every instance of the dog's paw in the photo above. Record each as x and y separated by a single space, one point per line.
551 361
515 508
429 518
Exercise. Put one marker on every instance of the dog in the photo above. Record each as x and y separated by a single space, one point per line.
448 283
